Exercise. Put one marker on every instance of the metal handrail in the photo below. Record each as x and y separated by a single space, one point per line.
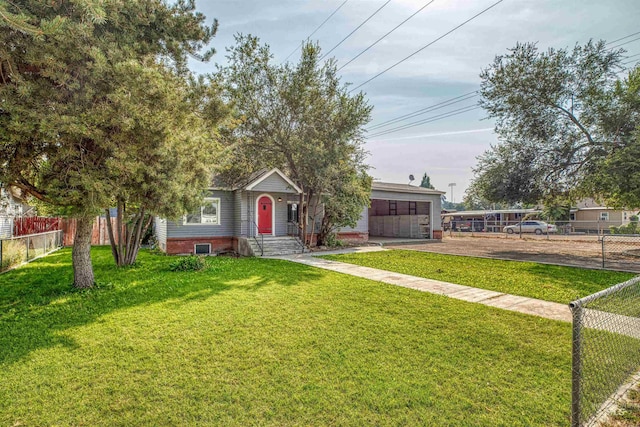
296 235
261 242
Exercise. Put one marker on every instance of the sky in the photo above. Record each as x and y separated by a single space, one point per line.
446 148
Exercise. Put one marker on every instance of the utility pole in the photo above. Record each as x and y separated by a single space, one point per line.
452 184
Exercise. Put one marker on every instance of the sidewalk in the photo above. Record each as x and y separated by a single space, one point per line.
546 309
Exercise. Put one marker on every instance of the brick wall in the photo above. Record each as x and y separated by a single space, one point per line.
354 237
185 245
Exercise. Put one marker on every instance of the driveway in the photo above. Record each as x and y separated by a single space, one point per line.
575 252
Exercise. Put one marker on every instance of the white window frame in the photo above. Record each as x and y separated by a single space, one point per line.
208 200
604 216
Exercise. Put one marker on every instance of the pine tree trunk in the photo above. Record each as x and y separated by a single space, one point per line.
81 254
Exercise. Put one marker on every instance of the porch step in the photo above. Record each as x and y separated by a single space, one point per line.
274 246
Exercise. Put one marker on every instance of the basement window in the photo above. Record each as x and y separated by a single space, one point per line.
202 248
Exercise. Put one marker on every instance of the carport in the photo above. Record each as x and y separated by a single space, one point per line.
404 211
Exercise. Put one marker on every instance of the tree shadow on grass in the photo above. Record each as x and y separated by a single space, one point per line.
38 302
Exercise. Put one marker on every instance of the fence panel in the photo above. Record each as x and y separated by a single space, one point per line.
17 250
35 225
606 350
620 250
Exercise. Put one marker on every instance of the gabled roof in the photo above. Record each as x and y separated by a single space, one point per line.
403 188
257 178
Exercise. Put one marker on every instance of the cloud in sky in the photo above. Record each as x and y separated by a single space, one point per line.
446 149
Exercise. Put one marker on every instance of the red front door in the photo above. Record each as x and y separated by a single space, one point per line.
265 215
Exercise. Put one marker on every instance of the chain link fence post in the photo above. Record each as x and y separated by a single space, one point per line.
605 351
576 364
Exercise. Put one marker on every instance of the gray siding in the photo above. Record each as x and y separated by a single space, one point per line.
279 209
274 183
176 229
436 220
6 227
362 226
160 230
239 214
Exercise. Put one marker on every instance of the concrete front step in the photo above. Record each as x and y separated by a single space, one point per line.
275 246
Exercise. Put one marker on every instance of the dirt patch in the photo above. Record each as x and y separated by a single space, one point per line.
576 252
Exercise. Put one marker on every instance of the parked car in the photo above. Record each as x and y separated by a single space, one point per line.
538 227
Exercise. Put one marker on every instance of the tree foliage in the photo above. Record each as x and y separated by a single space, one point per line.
91 91
426 182
560 116
299 118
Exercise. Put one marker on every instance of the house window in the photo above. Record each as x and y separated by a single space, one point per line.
393 207
209 213
572 216
292 212
604 216
412 208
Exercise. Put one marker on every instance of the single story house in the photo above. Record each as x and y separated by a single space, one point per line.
599 218
491 220
259 216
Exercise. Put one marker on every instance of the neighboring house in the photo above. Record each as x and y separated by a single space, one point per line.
9 209
260 216
484 220
598 218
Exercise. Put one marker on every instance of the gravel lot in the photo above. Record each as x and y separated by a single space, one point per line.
579 251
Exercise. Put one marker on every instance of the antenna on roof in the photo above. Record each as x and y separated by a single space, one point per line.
411 179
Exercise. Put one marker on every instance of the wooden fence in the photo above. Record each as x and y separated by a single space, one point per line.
23 226
99 234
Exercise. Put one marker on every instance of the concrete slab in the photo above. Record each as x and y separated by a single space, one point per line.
531 306
474 295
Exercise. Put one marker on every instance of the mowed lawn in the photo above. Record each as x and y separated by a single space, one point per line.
266 342
542 281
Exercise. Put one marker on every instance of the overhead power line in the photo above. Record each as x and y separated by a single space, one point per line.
427 45
446 103
381 38
622 38
622 44
317 28
356 29
441 116
632 56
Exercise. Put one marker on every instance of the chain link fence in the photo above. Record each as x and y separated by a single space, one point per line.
18 250
620 250
513 228
606 350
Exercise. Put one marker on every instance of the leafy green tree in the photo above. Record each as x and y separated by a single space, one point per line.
64 67
344 204
616 178
426 182
558 117
299 118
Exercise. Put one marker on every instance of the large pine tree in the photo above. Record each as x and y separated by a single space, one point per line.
90 91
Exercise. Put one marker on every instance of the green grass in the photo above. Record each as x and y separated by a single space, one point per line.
541 281
266 342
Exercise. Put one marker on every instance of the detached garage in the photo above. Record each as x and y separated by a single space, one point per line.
402 210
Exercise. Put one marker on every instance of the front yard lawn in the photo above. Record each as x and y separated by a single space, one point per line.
266 342
529 279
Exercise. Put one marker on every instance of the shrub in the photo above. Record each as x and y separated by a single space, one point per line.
332 241
13 253
188 263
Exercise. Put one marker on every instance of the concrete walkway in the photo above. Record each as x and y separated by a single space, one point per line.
536 307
